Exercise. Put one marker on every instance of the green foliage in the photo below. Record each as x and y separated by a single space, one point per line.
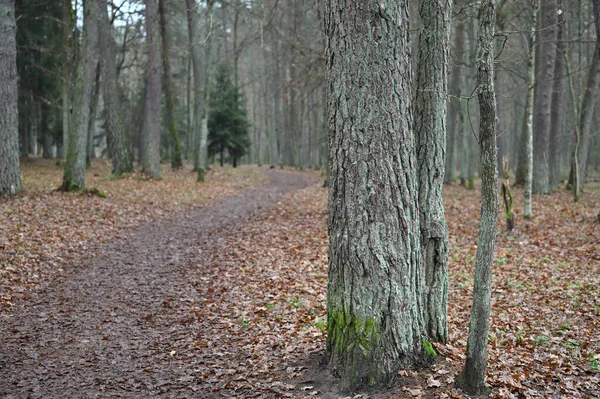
227 122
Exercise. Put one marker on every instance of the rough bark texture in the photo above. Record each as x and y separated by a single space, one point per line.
199 139
152 123
176 158
455 116
10 179
472 376
596 6
528 116
558 106
430 133
74 176
120 154
543 98
376 282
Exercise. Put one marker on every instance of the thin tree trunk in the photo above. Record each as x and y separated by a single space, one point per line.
176 159
93 113
588 105
196 55
558 105
543 98
122 161
376 283
10 180
152 123
472 376
528 116
74 176
66 76
454 116
430 133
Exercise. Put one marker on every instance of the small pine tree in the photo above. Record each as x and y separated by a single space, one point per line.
227 122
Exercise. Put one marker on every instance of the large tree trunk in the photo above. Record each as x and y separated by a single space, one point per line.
528 116
430 133
10 180
74 176
152 123
472 376
195 48
543 98
376 283
558 105
176 159
118 150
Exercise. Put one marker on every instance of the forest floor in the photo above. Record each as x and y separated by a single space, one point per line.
175 289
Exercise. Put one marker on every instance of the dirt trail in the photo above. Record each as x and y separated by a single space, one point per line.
108 330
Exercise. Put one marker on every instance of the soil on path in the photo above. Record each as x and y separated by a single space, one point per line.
109 329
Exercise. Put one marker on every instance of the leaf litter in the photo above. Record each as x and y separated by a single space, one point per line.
254 322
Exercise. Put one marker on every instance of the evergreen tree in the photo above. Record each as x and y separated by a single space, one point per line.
227 122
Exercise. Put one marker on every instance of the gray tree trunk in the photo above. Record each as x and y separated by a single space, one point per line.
376 282
586 114
558 106
195 48
10 178
91 130
528 116
176 158
74 175
120 154
66 76
543 98
430 133
455 116
152 122
472 376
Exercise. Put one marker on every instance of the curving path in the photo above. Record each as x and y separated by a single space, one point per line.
108 330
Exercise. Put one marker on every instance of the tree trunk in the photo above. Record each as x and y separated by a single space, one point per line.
66 76
558 106
376 283
152 123
586 114
472 376
430 133
93 113
543 98
176 159
195 48
10 180
528 116
74 176
122 161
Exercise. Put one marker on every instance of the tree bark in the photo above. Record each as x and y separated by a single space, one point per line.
543 98
471 378
558 106
430 133
10 178
376 282
528 116
74 175
66 76
586 114
176 158
120 154
199 112
152 123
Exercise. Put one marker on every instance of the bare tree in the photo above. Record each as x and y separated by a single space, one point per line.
472 376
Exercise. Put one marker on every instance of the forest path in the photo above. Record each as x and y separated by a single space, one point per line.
111 329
